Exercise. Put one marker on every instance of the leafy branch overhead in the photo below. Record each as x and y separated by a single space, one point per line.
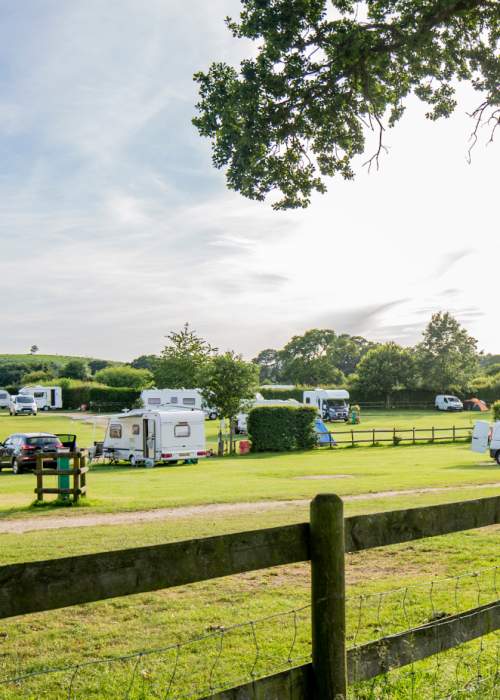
325 71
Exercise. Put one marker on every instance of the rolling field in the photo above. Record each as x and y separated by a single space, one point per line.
440 575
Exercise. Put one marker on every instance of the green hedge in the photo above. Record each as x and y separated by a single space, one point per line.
496 410
281 428
99 397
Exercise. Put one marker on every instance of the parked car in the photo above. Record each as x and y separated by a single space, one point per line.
22 405
486 436
19 451
446 402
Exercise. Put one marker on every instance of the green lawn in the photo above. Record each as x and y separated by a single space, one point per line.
211 609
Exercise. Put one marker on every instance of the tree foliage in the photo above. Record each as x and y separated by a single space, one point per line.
76 369
447 356
325 71
226 381
123 376
181 363
384 369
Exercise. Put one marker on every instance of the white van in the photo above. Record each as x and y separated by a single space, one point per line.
331 404
446 402
151 437
4 399
46 397
22 405
486 437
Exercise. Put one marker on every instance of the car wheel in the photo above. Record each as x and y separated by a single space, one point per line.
497 457
133 460
16 467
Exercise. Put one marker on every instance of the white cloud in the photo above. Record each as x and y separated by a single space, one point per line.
112 213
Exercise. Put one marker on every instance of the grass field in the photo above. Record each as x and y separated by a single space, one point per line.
37 358
165 618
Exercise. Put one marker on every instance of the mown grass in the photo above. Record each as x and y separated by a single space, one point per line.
268 477
164 619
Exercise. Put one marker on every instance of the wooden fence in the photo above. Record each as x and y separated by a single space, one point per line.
373 436
78 472
47 585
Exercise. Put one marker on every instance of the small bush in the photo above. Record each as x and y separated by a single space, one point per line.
281 428
496 410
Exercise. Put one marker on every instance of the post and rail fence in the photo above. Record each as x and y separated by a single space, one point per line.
375 436
63 472
47 585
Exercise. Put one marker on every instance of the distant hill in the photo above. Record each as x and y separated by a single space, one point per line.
60 360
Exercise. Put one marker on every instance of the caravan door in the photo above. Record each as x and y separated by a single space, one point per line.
480 436
149 438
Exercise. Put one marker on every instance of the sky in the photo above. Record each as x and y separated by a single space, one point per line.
115 228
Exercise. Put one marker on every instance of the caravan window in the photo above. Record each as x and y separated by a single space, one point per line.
308 400
182 430
39 394
189 402
115 430
174 399
154 402
136 429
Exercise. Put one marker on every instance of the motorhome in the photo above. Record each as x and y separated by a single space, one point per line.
4 399
446 402
331 404
486 436
164 436
155 398
46 397
242 417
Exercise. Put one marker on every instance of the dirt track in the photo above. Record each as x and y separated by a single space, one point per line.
20 525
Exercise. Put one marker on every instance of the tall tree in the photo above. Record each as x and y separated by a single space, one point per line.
270 365
447 356
227 381
306 358
384 369
325 71
182 361
75 369
33 349
348 350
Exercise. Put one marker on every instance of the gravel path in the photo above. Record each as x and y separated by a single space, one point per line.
53 522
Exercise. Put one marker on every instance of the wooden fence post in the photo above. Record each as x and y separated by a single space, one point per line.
328 598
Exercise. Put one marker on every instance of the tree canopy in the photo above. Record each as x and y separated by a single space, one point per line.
182 361
385 368
325 71
447 355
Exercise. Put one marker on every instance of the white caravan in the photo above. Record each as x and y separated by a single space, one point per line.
331 404
486 436
242 418
4 399
446 402
155 398
150 437
46 397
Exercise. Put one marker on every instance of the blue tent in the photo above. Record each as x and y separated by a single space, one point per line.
323 436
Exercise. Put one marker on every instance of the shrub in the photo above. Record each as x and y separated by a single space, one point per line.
107 398
496 410
127 377
281 428
305 435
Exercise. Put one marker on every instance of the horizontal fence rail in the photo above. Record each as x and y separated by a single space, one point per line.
374 436
375 658
46 585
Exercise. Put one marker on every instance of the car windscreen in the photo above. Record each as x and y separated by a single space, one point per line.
25 399
336 402
42 441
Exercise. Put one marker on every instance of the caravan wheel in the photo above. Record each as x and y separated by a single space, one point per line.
133 460
45 408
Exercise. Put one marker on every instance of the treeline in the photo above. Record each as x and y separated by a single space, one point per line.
445 361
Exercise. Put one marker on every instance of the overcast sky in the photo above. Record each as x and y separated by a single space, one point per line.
115 228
